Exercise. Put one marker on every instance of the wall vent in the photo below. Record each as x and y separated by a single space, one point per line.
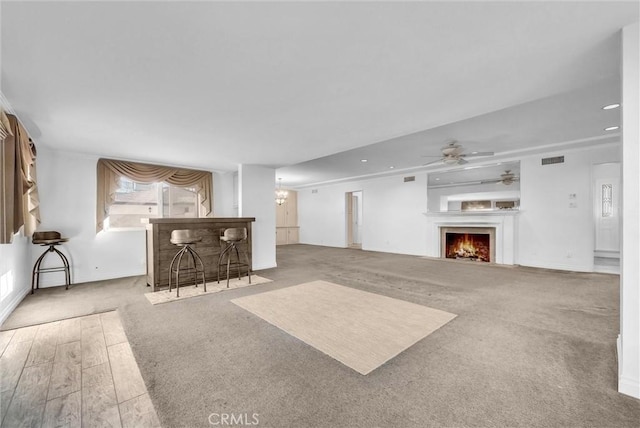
408 179
551 161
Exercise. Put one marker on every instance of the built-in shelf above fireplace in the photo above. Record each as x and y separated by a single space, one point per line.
472 213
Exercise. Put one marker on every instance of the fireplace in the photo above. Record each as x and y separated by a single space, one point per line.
468 243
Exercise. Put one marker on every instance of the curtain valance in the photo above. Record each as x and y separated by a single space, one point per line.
109 172
19 203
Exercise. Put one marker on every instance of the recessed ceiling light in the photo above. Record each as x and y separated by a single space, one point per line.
610 106
611 128
363 160
391 167
437 179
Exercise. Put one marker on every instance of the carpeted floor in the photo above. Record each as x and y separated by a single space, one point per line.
529 348
56 303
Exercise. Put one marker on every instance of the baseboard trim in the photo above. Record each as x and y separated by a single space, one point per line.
263 267
559 266
630 387
7 310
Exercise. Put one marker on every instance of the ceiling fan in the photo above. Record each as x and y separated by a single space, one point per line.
453 154
507 178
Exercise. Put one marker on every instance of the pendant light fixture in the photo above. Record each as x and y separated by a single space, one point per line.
281 195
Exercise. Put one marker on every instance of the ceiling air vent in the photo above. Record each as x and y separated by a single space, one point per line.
551 161
408 179
314 190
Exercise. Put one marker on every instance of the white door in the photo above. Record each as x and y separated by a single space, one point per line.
357 217
607 208
354 218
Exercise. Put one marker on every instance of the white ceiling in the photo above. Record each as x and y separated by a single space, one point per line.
214 85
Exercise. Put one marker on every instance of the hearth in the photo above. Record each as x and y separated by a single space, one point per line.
468 243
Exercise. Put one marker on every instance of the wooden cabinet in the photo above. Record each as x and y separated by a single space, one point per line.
287 230
160 250
287 235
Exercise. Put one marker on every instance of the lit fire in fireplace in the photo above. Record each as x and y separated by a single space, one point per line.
469 246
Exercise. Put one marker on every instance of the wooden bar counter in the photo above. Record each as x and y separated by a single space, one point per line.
160 250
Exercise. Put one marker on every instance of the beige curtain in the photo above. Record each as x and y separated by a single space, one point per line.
19 204
109 172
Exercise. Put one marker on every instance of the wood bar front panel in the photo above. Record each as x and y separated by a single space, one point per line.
160 250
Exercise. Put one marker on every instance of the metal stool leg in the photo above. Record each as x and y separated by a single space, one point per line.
182 252
220 258
65 262
231 246
237 261
197 257
35 275
171 267
246 255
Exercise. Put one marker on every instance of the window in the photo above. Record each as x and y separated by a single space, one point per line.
607 200
130 191
135 201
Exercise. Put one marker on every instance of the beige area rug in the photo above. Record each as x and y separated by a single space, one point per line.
164 296
361 330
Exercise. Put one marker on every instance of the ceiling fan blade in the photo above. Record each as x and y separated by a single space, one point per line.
432 162
478 154
462 161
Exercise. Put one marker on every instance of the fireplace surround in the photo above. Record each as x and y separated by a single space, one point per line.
503 222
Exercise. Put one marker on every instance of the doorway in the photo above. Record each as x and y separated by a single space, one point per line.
354 219
606 191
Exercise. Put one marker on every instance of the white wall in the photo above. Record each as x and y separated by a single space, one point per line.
256 186
67 188
15 274
392 214
223 194
555 230
629 344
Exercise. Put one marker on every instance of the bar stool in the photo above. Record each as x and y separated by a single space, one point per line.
185 239
49 239
231 238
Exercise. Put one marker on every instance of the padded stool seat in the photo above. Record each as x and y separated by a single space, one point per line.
185 239
49 239
230 238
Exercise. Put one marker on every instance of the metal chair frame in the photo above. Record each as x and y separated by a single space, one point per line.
37 270
186 249
228 250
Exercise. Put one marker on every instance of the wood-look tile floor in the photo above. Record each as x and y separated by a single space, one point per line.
78 372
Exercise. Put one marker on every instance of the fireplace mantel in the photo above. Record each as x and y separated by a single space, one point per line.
504 222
